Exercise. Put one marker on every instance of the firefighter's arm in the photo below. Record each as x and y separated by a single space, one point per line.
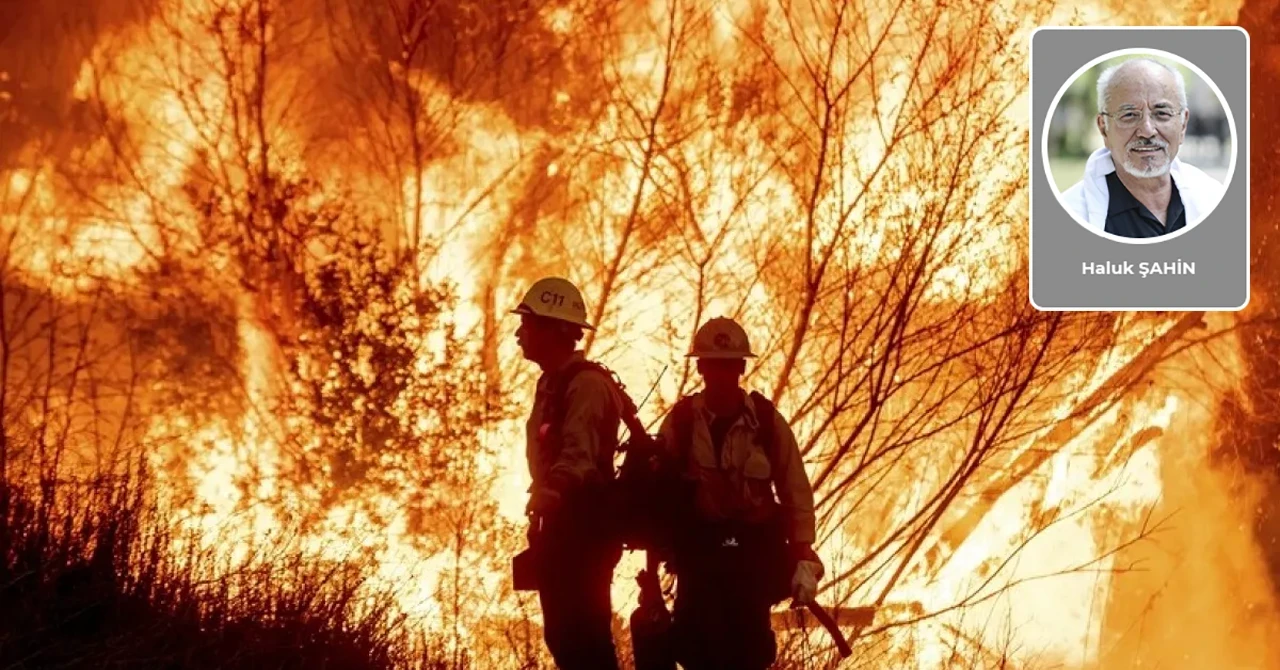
587 400
796 495
792 483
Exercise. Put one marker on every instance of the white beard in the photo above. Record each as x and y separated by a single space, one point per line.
1146 173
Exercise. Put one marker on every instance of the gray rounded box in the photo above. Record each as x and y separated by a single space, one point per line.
1204 268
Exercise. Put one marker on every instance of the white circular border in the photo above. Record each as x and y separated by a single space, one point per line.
1044 141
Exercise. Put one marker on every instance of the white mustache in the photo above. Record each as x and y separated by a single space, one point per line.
1144 144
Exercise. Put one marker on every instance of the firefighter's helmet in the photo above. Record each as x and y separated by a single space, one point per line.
555 298
721 338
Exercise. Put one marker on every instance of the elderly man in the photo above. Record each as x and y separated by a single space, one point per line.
1135 186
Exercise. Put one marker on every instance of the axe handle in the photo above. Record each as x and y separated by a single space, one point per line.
842 645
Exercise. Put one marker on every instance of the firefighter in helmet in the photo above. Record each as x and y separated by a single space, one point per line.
748 543
571 437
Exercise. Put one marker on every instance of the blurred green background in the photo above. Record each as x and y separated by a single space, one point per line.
1073 134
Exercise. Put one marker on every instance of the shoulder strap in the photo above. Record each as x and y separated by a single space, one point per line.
559 406
765 416
682 421
682 418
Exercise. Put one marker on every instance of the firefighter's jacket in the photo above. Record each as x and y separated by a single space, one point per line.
741 485
588 435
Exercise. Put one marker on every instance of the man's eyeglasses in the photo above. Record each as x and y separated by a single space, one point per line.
1132 118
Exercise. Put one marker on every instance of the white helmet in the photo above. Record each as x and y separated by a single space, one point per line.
721 338
555 298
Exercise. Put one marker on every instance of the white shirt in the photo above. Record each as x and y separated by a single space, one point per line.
1088 198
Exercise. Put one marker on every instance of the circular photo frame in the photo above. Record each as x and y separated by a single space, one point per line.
1202 136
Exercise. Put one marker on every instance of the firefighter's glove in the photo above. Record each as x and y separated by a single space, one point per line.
545 500
804 583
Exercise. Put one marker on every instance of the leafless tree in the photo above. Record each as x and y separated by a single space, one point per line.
845 178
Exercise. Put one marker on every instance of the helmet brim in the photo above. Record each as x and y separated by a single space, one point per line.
723 355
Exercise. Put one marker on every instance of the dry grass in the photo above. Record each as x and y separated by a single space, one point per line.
88 581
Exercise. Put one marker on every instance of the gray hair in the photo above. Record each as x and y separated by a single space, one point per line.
1104 81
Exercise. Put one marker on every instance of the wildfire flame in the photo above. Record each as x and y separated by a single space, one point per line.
704 214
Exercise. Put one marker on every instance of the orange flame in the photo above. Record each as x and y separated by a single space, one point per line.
1063 517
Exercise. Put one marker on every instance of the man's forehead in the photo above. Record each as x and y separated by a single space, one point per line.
1141 82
